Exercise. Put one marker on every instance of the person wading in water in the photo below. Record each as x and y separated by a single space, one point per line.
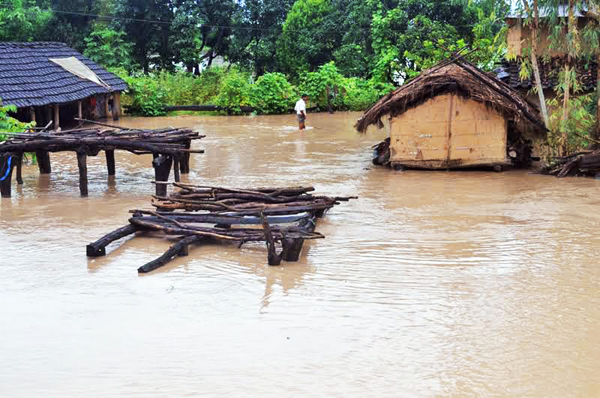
301 111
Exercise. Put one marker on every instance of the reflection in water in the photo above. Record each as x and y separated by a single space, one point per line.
462 284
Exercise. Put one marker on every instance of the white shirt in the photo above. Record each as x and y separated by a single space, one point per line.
300 106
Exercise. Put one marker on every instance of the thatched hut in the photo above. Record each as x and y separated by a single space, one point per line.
50 81
453 115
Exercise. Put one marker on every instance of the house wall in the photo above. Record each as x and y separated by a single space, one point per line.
448 131
519 38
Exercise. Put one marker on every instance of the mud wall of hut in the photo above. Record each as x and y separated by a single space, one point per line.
448 129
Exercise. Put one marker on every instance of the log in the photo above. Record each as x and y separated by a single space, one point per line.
207 108
176 170
162 169
98 248
83 180
178 249
110 161
6 170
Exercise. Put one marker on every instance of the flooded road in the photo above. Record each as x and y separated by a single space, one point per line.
432 284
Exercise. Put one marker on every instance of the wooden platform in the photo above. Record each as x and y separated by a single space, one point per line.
170 148
197 214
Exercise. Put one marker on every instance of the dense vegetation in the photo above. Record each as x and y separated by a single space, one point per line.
344 53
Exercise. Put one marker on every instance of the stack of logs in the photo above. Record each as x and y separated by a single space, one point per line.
200 214
586 163
169 146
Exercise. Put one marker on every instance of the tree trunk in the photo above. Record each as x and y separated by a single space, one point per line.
597 127
534 61
571 52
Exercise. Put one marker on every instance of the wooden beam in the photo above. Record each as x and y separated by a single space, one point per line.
116 111
98 248
48 114
106 99
32 114
79 109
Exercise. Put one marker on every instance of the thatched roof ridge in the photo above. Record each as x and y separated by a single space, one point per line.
459 77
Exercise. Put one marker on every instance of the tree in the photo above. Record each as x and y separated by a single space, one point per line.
257 26
22 20
533 14
108 47
311 33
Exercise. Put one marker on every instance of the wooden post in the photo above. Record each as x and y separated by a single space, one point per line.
292 249
32 114
176 169
48 115
116 111
106 99
83 181
79 110
110 162
185 160
56 117
43 161
5 185
18 159
162 169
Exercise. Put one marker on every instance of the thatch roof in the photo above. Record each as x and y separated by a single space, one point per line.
456 77
28 77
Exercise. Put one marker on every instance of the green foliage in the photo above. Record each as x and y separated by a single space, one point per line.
235 90
9 124
272 93
580 118
145 96
324 85
108 47
361 94
22 20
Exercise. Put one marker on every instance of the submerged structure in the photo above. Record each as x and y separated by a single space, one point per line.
453 116
49 81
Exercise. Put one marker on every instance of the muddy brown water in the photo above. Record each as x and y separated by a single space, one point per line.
433 284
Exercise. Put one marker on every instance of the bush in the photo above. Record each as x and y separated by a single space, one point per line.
9 124
361 94
272 93
234 91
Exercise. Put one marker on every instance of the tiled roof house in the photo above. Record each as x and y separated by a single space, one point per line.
39 77
518 39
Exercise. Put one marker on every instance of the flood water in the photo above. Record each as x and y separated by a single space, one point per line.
432 284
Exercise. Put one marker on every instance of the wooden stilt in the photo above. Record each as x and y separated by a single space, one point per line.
56 117
162 169
83 180
5 185
98 248
110 162
116 111
292 249
272 257
176 169
43 161
32 114
18 159
106 99
48 114
185 160
79 109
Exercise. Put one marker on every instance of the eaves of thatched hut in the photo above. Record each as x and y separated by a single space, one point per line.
48 81
453 115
